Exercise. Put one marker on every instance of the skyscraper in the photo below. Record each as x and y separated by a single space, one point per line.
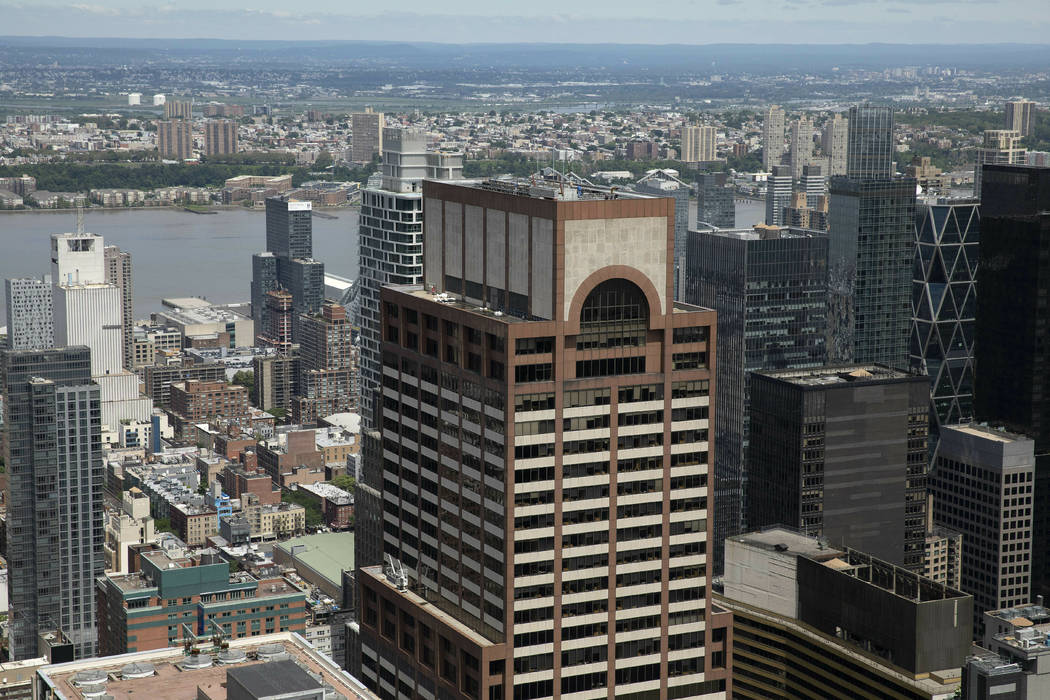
979 478
389 256
800 147
871 230
118 273
772 138
220 137
288 263
1000 147
745 276
835 144
778 194
53 453
944 302
175 139
88 310
366 135
1012 339
698 144
1020 116
869 154
30 321
660 183
714 201
558 454
841 452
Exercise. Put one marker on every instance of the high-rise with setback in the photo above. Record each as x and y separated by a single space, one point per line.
390 237
545 467
53 453
872 241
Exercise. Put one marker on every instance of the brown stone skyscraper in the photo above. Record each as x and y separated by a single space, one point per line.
545 455
220 137
175 139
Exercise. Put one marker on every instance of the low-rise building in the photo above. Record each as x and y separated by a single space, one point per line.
275 520
194 524
292 458
337 505
196 401
240 481
1013 660
132 524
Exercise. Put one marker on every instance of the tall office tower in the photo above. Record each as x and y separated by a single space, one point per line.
660 183
53 453
118 273
366 135
813 621
178 109
1000 147
30 320
175 139
389 256
982 483
1012 339
745 276
778 194
800 145
325 366
834 141
841 452
220 137
88 310
558 453
1020 116
944 302
288 263
714 201
871 229
772 138
869 154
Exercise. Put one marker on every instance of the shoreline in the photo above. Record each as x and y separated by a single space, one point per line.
216 208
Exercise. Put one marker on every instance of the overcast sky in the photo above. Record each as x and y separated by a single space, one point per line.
665 21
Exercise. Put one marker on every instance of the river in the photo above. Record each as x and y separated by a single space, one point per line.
174 253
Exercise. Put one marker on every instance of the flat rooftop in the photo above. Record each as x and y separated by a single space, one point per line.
541 188
844 374
988 433
788 541
201 314
760 233
167 677
327 553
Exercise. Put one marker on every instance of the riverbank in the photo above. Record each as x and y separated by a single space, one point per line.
326 213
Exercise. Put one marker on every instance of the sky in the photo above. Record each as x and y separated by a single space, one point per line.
577 21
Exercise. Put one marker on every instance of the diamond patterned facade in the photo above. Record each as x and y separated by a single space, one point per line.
944 300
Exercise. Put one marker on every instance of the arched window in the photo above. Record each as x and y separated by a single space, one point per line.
615 314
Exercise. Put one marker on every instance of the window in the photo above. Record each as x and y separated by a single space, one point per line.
533 346
693 334
542 372
615 314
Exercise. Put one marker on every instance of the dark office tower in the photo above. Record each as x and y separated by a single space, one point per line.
53 452
118 273
870 151
841 452
769 287
661 183
714 201
288 263
944 301
778 194
1012 338
289 228
871 225
557 452
325 366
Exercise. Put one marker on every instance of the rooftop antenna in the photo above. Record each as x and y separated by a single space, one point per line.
80 220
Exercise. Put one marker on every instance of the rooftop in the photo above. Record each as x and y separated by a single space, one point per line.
844 374
988 433
327 553
788 541
540 188
202 314
172 674
761 232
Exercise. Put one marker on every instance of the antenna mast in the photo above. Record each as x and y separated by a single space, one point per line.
80 219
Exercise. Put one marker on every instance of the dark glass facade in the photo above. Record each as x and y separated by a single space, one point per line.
771 297
841 452
714 201
1012 337
871 246
944 302
289 228
870 150
53 453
